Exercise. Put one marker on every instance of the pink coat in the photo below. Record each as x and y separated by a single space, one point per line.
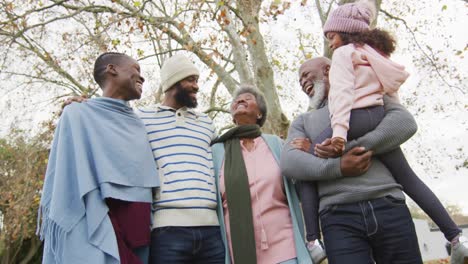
359 77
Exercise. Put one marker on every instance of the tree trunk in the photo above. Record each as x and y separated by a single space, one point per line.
6 255
277 123
32 250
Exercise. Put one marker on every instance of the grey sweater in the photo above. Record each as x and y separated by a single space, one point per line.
397 126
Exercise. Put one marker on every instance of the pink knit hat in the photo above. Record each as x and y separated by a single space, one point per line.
350 18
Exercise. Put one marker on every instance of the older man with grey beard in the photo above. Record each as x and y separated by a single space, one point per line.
313 77
362 209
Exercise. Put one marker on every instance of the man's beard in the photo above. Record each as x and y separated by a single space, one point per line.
183 97
319 95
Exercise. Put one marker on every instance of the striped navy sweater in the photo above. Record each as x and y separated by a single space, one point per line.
180 141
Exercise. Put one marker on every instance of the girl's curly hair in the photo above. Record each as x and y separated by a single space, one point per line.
378 39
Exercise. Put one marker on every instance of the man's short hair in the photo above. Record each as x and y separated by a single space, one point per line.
101 64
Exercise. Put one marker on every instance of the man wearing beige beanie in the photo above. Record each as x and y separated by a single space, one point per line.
185 224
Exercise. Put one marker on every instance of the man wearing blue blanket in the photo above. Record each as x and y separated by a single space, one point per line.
96 200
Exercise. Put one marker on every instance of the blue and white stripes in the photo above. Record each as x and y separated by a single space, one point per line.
180 141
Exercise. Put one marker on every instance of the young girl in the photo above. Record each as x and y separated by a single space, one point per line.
360 74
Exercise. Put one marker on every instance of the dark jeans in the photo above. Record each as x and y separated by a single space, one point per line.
379 230
174 244
362 121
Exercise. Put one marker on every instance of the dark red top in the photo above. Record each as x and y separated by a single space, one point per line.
131 222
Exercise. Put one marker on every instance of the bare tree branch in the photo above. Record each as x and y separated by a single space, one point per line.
429 57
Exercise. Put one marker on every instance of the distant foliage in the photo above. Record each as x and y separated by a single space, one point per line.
23 163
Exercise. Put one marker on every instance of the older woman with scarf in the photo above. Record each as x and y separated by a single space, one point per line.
262 218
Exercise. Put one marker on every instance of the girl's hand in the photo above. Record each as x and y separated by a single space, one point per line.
326 150
301 144
339 144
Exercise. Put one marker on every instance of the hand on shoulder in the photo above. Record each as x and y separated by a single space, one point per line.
72 99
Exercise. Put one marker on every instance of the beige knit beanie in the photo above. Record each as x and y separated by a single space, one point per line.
176 68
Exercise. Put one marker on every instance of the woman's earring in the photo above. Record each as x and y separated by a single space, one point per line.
259 116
